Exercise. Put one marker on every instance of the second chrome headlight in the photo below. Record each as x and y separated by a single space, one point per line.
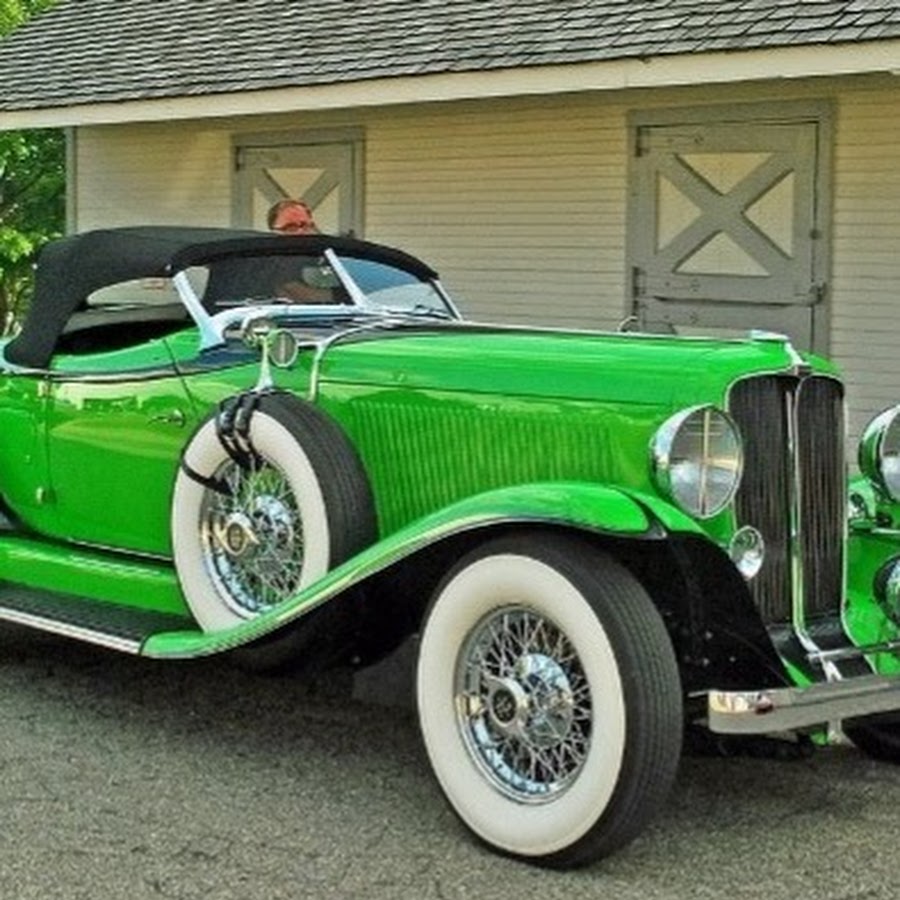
879 452
697 460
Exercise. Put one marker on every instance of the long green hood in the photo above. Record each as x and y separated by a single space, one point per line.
575 366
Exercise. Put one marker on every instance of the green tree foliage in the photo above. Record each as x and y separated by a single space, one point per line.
32 191
14 12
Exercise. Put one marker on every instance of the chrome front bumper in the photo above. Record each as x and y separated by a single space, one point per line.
792 708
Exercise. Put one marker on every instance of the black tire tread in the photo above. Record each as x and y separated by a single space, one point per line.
649 673
340 472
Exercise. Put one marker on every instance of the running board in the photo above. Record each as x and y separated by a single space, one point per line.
110 625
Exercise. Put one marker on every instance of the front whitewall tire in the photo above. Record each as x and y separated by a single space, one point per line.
599 804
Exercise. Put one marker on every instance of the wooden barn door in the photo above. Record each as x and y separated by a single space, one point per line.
727 229
325 175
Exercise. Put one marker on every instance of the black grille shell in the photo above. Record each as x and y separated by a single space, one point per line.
793 490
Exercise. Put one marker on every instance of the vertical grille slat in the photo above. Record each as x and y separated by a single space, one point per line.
804 481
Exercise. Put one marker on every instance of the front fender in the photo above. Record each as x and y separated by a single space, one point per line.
589 507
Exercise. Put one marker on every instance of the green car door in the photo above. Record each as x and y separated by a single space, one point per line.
115 427
24 479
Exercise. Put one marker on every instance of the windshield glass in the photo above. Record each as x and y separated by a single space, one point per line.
316 279
393 289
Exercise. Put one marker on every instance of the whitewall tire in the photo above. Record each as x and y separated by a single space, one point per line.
549 699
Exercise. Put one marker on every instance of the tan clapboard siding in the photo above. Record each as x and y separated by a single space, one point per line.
152 174
521 207
866 250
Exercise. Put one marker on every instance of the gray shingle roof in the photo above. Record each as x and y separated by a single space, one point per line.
90 51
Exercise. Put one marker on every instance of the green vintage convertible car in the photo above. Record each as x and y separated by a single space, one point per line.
293 450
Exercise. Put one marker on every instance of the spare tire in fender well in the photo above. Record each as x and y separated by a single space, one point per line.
239 552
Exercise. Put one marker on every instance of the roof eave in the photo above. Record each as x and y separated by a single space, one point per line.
660 71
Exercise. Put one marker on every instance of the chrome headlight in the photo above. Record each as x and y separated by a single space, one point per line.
697 460
879 452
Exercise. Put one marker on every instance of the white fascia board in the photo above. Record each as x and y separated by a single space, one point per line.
659 71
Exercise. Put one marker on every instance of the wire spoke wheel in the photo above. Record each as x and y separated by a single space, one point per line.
252 536
524 704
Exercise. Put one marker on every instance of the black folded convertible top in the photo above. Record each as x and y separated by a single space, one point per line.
71 269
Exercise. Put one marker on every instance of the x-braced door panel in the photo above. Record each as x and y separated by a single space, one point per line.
322 175
723 227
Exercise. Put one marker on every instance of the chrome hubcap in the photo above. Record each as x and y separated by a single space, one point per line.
235 535
252 537
523 704
535 704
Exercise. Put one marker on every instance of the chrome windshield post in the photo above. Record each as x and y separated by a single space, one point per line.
353 289
442 293
209 334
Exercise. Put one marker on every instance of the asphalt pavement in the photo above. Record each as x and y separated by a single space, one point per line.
127 778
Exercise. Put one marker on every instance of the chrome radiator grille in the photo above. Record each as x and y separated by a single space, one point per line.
793 490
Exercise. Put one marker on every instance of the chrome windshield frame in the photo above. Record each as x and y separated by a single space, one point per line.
213 326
